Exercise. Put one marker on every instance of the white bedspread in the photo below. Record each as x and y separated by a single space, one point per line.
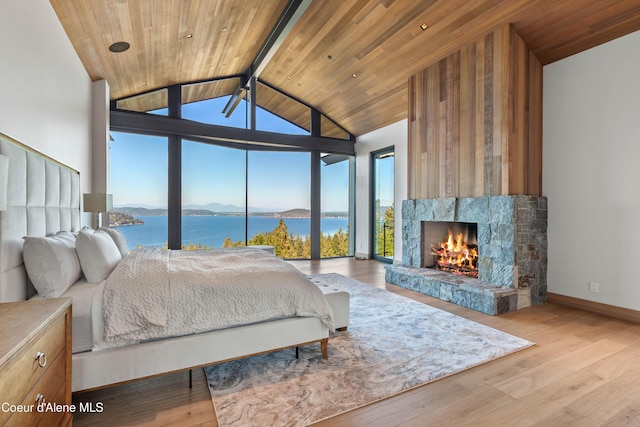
155 293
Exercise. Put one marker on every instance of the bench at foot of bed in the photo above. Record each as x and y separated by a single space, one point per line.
94 369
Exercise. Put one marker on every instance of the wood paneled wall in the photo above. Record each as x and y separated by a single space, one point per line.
475 121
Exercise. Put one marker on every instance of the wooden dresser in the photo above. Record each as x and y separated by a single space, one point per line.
35 363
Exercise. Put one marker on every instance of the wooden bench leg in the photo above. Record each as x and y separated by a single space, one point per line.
323 347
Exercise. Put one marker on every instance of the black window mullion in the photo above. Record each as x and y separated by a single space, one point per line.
174 202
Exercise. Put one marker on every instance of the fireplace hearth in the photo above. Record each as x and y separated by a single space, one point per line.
510 233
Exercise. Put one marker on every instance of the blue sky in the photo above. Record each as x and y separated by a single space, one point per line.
214 174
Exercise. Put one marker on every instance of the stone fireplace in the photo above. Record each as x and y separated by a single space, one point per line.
510 233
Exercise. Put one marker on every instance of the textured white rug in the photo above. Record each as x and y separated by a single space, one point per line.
393 344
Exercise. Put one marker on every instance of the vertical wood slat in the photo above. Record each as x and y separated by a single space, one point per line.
475 121
453 85
517 124
501 96
535 125
412 154
465 164
431 151
479 121
488 125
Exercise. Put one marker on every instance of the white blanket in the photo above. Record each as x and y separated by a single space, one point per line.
155 293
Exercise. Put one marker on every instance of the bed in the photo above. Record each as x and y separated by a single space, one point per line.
44 203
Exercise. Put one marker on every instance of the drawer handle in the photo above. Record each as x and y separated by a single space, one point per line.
42 359
39 399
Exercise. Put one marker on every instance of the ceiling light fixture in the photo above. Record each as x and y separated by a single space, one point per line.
354 75
189 36
118 47
424 27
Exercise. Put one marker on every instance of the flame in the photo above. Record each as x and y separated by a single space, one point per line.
456 256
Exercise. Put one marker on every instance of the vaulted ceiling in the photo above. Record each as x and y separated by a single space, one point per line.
349 59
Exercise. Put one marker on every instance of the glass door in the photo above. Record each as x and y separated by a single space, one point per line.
383 207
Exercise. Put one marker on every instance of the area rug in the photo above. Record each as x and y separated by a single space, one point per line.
392 344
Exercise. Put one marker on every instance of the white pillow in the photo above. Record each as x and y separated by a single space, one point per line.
118 238
52 263
98 254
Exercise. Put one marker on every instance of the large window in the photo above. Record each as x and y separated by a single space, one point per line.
336 226
383 204
138 181
229 189
213 196
278 194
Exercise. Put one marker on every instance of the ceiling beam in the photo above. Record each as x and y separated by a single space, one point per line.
151 124
289 18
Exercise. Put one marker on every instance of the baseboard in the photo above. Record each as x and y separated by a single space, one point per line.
595 307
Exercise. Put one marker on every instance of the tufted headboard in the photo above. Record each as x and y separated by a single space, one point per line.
43 197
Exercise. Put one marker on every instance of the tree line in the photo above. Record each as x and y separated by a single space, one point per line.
288 245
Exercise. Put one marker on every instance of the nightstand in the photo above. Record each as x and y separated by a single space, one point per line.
35 362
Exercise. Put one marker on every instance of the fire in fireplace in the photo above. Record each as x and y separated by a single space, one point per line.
457 253
456 256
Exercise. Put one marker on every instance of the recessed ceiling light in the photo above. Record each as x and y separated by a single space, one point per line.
424 27
224 29
189 36
354 75
119 47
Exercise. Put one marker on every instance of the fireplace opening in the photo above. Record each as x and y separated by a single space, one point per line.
450 247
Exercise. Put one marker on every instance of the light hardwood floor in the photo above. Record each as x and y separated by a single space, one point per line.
583 371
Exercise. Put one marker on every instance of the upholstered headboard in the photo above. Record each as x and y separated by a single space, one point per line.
43 197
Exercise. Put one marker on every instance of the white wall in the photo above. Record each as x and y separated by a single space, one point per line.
393 135
591 172
45 92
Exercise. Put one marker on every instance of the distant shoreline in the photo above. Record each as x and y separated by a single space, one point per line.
292 213
212 230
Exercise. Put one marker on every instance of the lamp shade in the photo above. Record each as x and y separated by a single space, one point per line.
4 181
97 202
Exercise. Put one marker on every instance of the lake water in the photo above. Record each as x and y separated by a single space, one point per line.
212 230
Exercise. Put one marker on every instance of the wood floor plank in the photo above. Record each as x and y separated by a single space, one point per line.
518 365
583 371
617 399
535 407
539 377
456 412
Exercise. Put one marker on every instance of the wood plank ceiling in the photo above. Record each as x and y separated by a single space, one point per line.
350 59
